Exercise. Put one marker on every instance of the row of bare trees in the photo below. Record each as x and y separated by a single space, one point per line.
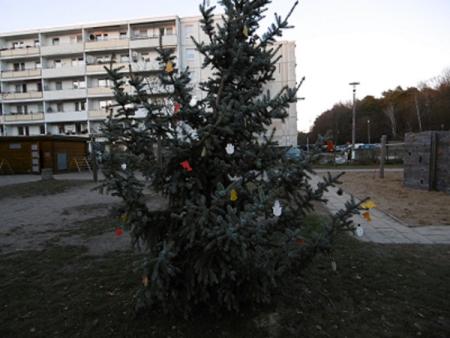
396 112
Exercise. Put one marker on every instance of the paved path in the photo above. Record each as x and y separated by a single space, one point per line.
386 229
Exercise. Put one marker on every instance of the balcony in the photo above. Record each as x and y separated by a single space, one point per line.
66 116
66 71
65 94
15 74
69 48
22 96
152 41
100 68
24 117
97 91
146 66
106 44
19 52
98 114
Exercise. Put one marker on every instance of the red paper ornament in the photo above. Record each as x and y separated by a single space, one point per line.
119 232
177 107
186 166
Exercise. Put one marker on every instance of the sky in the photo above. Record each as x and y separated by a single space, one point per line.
381 44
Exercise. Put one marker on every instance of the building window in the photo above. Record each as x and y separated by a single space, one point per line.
78 84
190 54
123 35
61 129
55 41
188 31
19 66
104 83
38 65
77 62
80 106
124 58
105 104
36 43
58 63
58 85
169 30
23 131
60 107
78 128
42 129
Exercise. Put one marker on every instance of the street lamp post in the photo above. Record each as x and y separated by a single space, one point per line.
368 131
354 84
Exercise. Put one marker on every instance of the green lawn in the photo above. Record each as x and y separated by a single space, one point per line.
377 291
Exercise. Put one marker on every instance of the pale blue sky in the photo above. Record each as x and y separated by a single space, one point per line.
381 43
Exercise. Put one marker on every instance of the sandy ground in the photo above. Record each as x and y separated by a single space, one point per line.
411 206
31 223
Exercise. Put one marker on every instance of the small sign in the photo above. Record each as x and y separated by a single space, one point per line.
15 146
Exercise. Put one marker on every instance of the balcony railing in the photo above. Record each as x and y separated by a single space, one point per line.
25 51
107 44
100 91
24 117
66 116
64 94
98 114
143 41
22 96
67 48
14 74
64 71
100 67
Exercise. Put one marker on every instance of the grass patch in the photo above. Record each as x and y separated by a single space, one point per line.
40 188
377 291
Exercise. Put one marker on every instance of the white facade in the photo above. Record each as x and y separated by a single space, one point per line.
53 80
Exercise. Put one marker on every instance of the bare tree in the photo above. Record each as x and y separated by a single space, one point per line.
390 113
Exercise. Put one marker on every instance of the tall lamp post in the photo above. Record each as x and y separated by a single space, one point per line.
354 84
368 131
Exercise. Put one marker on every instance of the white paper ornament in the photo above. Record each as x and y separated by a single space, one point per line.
194 100
123 166
277 209
229 149
359 231
333 266
233 178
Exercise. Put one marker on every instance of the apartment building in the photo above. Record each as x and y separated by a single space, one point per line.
53 80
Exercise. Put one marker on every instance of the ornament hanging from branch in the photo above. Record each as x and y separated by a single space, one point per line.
366 216
169 67
229 149
176 107
369 204
233 195
118 231
245 31
123 166
359 231
277 209
186 165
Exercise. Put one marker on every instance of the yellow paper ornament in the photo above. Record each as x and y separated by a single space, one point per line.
233 195
245 31
169 67
369 204
124 218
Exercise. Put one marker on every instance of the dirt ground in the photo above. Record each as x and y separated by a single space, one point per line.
411 206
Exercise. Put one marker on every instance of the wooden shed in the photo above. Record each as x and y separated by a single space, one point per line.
30 154
427 160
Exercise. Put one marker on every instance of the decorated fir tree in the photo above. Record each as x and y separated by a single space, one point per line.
233 227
